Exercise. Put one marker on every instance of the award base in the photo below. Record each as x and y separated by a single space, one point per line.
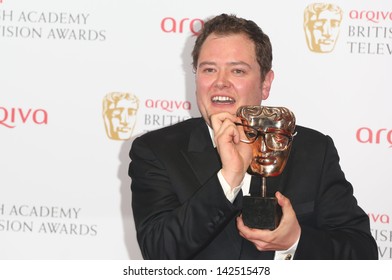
261 212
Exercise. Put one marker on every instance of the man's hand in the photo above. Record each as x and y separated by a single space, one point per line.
282 238
235 155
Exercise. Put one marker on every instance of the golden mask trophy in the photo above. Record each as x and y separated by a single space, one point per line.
270 131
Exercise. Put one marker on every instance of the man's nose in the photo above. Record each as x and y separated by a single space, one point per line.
221 80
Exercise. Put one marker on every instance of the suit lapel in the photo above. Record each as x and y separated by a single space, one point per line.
201 155
205 162
204 159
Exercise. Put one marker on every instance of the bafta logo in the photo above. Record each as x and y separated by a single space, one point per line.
119 114
322 26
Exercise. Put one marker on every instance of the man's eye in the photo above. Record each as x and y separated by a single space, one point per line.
208 70
238 71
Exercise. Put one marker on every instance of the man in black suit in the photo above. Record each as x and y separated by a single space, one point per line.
188 179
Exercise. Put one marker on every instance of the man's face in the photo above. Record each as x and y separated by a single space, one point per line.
122 117
228 75
324 31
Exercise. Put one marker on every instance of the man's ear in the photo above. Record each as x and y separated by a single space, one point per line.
266 87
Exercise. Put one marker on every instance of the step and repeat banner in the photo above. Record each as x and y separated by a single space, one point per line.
80 79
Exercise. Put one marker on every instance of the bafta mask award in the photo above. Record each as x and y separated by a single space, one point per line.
270 131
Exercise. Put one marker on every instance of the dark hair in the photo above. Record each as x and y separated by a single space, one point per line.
231 24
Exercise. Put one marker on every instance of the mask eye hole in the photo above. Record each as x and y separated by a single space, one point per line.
250 133
277 141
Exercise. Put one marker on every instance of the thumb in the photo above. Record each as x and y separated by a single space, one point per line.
282 200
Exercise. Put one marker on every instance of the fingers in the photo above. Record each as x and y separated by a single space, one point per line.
282 200
258 237
282 238
219 118
223 125
235 155
285 203
249 233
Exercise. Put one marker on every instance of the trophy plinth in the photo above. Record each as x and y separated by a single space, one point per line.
270 132
261 212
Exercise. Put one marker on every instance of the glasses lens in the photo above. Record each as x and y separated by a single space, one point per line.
250 133
276 141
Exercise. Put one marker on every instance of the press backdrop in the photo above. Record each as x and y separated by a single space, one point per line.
64 188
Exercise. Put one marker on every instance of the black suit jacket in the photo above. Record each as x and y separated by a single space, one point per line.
181 212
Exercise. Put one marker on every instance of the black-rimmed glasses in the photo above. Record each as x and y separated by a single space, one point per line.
275 140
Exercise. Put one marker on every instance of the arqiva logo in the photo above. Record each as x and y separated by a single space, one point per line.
11 117
172 25
379 218
366 135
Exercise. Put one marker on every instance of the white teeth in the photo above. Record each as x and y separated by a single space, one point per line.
225 99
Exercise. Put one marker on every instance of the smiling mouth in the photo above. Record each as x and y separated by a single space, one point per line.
222 100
